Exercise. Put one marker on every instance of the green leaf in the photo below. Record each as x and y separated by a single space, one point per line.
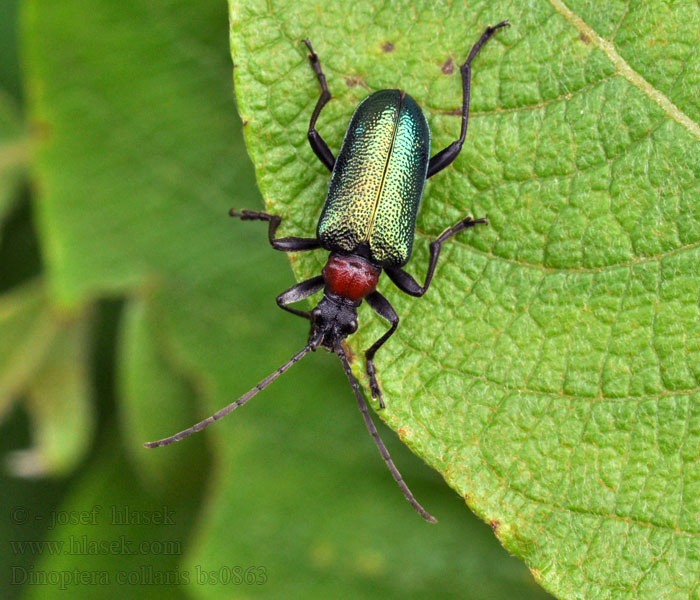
59 402
139 158
111 536
27 329
13 154
43 358
155 396
551 373
10 79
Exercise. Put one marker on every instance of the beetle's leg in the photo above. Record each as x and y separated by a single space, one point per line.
406 283
381 306
298 292
318 145
447 155
288 244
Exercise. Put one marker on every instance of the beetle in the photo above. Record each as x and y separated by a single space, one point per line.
367 224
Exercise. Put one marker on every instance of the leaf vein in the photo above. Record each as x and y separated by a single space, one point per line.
623 67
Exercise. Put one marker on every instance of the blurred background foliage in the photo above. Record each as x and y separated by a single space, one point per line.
96 359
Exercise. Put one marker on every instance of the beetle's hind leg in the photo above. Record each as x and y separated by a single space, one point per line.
318 145
288 244
446 156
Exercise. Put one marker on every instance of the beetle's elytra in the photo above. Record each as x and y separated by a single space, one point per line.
378 180
367 224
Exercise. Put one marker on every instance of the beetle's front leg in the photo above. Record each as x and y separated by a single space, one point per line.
288 244
381 306
299 292
318 144
405 282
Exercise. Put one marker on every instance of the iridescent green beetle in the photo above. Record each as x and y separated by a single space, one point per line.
367 223
377 181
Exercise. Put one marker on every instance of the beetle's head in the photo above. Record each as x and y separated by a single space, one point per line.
333 320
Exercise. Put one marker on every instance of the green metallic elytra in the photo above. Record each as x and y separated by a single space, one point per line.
378 179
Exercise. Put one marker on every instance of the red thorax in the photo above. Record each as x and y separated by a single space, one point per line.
350 276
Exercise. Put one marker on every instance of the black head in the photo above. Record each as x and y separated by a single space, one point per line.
334 320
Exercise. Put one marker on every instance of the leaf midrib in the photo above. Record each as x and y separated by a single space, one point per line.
626 71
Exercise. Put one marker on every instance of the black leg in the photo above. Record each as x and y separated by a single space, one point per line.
406 283
288 244
381 306
446 156
299 292
318 145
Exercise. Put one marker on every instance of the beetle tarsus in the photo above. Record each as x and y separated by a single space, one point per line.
465 223
288 244
373 384
250 215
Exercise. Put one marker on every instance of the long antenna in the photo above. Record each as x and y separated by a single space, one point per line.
377 440
240 402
